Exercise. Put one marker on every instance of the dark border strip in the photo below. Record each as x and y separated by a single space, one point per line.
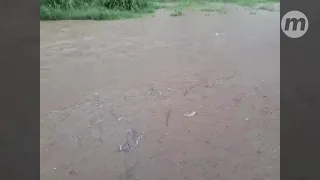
300 94
20 87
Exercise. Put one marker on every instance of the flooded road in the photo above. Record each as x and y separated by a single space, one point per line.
194 97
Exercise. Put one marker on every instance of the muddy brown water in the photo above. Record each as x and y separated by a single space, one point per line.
114 95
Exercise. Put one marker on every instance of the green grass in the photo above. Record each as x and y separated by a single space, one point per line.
92 13
119 9
177 12
202 5
179 8
94 9
211 5
247 2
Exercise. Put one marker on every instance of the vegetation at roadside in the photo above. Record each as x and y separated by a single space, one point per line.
251 2
215 5
94 9
177 12
118 9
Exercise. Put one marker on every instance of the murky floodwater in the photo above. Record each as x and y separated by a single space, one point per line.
114 95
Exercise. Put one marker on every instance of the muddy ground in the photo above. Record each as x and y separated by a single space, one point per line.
116 95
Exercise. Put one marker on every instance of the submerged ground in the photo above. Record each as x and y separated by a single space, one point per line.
192 97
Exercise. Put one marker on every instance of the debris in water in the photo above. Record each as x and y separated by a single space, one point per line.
247 119
132 140
187 91
127 173
72 172
190 114
217 34
182 161
266 110
168 114
120 118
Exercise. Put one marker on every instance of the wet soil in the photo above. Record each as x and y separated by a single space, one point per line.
117 97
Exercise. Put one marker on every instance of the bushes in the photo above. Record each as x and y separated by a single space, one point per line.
131 5
110 9
93 9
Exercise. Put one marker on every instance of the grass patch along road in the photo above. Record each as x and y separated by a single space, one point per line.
213 5
94 9
177 12
119 9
